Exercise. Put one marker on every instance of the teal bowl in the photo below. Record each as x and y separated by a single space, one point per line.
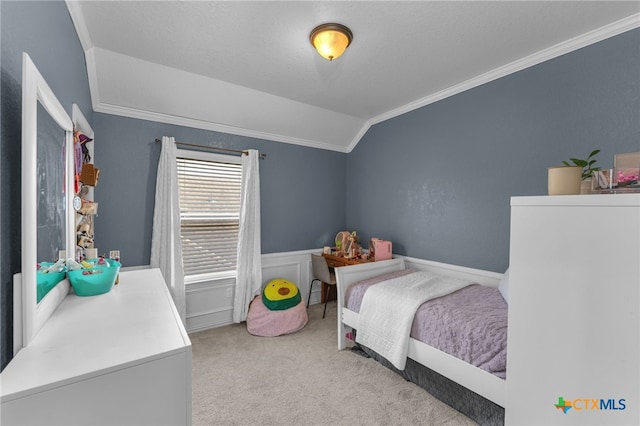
96 280
46 281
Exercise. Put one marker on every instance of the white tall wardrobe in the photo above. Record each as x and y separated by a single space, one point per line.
574 301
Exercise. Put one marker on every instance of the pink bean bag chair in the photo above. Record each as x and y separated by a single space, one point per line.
264 322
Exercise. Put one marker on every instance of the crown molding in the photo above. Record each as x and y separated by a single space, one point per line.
92 76
568 46
74 8
207 125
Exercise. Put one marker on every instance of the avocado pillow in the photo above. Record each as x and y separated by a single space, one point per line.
280 294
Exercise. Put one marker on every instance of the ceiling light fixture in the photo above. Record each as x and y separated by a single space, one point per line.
331 40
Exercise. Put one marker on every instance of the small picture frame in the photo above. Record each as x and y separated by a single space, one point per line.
602 179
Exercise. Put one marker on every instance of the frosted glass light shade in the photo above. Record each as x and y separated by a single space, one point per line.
331 40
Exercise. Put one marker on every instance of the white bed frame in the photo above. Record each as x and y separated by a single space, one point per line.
479 381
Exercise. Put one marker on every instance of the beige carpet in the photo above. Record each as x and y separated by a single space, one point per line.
302 379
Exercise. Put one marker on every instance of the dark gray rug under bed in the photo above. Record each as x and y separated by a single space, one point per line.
472 405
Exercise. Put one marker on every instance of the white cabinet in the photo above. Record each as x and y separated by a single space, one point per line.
121 358
574 300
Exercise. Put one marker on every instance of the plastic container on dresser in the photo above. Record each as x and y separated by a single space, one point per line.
122 358
574 302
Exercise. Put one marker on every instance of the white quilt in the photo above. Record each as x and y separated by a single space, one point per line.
388 308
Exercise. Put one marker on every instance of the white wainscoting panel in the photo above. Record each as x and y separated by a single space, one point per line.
210 303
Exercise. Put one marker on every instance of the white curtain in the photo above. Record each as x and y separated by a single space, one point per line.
249 271
166 249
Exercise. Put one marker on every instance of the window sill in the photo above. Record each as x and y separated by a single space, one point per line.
215 276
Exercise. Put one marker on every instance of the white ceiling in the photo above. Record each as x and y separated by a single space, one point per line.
247 67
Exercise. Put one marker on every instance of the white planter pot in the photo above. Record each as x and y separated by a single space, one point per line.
564 180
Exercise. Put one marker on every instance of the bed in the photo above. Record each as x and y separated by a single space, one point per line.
472 390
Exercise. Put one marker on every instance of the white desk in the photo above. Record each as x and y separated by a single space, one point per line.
123 357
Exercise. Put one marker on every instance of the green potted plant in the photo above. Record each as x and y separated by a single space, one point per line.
586 165
587 168
568 179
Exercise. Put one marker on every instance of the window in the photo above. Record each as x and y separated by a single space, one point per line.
209 187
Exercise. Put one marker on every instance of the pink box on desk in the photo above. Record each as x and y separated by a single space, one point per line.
380 249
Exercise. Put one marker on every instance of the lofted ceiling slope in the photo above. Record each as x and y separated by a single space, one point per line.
248 68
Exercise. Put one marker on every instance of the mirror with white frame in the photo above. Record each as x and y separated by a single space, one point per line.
47 192
51 224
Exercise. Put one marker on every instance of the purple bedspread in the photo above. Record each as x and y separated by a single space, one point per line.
470 324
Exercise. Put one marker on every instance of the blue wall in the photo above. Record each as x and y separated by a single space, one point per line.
437 181
45 31
302 195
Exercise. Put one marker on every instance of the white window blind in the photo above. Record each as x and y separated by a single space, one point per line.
209 214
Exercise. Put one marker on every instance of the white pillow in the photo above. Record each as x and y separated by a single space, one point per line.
503 286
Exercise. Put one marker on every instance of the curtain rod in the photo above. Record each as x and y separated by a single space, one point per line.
215 148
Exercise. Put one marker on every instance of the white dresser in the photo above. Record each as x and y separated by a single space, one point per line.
121 358
574 303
